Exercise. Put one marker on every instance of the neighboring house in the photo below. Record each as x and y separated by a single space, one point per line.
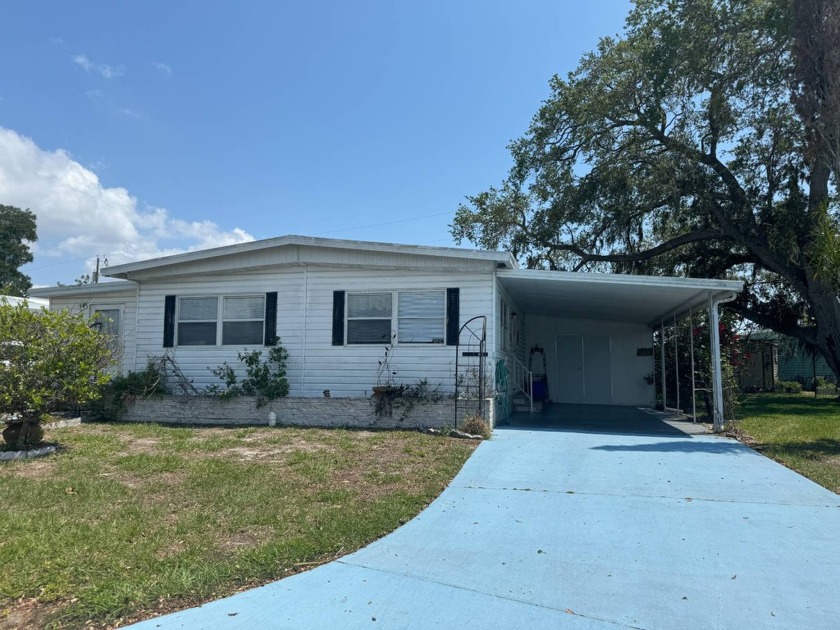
773 357
33 304
334 304
759 368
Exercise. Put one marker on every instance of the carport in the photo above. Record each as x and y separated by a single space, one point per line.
596 332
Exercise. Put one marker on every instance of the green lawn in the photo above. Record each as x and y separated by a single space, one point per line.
129 521
798 431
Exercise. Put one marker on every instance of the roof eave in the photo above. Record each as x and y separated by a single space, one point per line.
83 289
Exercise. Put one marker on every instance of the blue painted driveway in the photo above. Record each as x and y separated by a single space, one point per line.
563 529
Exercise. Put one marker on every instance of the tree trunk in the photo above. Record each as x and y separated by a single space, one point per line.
25 433
826 310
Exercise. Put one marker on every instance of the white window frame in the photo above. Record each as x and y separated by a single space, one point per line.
395 317
219 320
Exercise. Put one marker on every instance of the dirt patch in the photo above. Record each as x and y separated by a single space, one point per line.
244 539
146 446
28 613
373 467
34 468
274 451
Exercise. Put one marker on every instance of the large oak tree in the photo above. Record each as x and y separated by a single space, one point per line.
705 141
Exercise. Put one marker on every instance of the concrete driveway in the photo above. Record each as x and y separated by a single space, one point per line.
580 529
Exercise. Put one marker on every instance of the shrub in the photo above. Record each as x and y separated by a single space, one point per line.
148 382
264 378
50 360
476 425
789 387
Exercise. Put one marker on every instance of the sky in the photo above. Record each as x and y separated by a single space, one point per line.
136 130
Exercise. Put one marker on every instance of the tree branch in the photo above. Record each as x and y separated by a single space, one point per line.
806 335
674 243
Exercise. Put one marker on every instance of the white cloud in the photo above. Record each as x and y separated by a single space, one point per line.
78 217
128 111
163 67
102 69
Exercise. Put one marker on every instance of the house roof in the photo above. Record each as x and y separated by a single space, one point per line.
126 270
614 297
111 286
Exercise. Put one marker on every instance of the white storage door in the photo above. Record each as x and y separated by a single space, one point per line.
584 372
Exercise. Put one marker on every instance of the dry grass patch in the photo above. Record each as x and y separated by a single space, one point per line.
128 521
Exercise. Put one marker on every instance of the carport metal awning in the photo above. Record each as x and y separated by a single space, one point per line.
613 297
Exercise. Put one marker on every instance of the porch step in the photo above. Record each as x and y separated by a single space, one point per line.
521 404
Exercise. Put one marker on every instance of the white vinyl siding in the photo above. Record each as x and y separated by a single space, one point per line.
304 325
211 320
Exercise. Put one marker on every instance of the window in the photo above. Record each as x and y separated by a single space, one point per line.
108 319
229 320
197 321
421 317
505 325
242 320
369 318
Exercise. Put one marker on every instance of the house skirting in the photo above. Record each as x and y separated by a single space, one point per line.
295 411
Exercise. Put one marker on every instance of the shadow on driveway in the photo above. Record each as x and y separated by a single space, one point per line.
677 446
606 419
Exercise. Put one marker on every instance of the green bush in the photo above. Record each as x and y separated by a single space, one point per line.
264 378
148 382
789 387
49 360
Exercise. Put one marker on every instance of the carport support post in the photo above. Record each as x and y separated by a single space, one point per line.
691 341
662 361
676 364
717 380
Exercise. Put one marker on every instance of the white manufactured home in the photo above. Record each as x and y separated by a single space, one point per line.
335 304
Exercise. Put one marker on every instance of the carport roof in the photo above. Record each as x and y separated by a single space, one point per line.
614 297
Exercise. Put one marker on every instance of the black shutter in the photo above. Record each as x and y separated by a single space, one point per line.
169 321
338 318
271 318
453 316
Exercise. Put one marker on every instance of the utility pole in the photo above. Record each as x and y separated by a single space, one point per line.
96 273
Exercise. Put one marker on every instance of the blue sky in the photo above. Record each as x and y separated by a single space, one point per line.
142 129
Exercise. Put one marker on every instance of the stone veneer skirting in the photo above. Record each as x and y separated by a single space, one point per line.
292 411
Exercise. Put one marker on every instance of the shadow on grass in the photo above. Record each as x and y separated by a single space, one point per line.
770 405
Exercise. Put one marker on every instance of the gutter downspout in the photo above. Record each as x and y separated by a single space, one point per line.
305 324
717 379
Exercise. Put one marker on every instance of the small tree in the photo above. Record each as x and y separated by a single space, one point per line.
48 361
